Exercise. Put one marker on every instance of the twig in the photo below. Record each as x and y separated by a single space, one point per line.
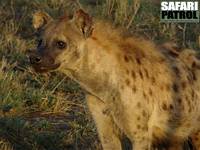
58 85
199 41
136 8
184 34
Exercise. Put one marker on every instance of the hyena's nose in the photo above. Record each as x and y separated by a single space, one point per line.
35 59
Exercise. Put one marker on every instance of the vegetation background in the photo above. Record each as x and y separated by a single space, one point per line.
48 112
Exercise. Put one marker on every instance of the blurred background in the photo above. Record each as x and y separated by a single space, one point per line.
48 112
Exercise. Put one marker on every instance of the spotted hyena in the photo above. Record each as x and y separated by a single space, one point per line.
134 87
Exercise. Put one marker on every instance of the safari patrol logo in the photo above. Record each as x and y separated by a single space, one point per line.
179 11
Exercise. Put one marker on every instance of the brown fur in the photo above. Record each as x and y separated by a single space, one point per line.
150 96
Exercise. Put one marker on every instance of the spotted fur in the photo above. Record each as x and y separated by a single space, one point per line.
135 87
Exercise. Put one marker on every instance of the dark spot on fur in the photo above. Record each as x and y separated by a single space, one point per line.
141 75
198 118
190 110
139 55
179 100
194 64
138 118
106 111
146 73
183 84
189 103
134 88
133 74
143 137
193 94
138 61
164 106
138 126
126 58
188 125
153 80
150 92
196 138
161 87
189 78
168 87
127 72
144 94
114 98
194 76
145 128
186 97
177 71
183 107
162 60
144 113
127 82
94 38
171 106
122 87
77 54
175 87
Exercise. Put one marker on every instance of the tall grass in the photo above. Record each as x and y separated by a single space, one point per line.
37 111
141 17
123 12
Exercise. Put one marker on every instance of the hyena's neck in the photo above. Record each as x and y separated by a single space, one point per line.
97 70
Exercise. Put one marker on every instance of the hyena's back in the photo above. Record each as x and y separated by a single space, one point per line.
160 89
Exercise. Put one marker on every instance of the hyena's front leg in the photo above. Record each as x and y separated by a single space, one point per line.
107 131
196 140
141 144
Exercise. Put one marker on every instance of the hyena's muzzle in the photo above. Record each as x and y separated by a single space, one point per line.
42 62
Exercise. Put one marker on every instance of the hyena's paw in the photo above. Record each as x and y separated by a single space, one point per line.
196 140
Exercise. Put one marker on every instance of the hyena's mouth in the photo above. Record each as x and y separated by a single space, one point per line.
43 69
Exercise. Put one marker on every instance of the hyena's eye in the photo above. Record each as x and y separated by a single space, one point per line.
60 44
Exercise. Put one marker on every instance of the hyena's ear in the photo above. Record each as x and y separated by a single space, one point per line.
83 22
40 19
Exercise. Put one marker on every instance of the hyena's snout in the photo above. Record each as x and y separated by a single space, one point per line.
35 59
42 63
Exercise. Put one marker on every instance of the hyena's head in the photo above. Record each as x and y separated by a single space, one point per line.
59 40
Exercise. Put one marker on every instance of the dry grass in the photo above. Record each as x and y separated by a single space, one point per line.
48 112
34 112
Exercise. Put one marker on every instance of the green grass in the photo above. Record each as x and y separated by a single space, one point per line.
48 112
